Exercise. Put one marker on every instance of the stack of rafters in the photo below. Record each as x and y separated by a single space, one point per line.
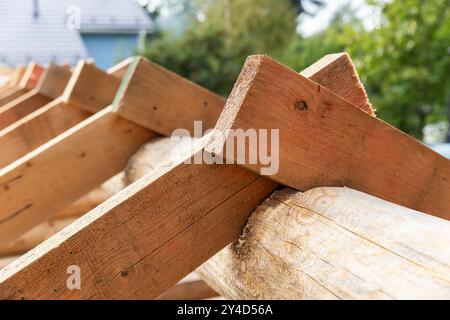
356 210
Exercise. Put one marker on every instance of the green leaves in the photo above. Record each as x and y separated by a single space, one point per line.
405 63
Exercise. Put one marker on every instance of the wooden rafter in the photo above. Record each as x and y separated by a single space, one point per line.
143 240
27 82
50 86
78 101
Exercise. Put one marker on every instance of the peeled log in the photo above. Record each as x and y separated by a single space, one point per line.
326 243
334 243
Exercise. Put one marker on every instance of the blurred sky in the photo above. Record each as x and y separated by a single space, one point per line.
308 25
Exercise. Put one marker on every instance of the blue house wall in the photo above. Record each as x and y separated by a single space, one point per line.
108 49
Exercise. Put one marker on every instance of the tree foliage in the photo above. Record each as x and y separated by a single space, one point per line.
404 63
213 49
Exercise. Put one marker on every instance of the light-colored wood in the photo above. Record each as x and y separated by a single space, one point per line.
154 95
31 77
50 86
91 89
14 79
334 243
189 290
28 82
50 178
339 74
54 81
145 239
7 260
34 237
63 113
48 228
123 245
85 204
22 106
38 128
325 141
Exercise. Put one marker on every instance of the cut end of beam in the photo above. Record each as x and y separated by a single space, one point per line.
54 81
340 66
163 101
90 88
31 76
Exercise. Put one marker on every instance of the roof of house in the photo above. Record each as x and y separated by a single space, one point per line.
54 33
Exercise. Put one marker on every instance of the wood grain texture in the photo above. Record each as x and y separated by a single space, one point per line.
334 243
34 237
54 81
145 239
63 113
14 79
11 95
32 76
189 290
58 173
50 86
138 245
332 143
91 89
22 106
45 230
163 101
28 82
341 76
38 128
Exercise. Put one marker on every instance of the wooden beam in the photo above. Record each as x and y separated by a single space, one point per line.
339 74
14 80
146 238
50 86
334 243
20 107
34 237
45 230
147 97
27 83
50 178
167 222
332 143
78 102
190 288
91 89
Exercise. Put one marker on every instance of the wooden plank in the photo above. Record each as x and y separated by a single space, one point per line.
332 143
334 243
63 113
146 238
14 80
20 107
50 86
50 178
27 83
189 290
45 230
150 98
339 74
167 222
34 237
91 89
32 75
54 81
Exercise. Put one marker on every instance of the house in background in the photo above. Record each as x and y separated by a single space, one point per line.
64 31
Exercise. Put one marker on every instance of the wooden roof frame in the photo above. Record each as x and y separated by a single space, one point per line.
76 103
184 223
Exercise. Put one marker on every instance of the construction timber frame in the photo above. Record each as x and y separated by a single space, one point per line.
146 238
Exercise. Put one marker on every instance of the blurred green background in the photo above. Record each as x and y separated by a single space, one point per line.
403 57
